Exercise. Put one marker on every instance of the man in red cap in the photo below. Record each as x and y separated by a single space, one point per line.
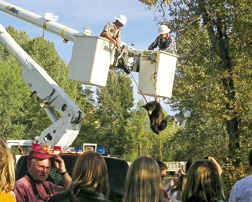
33 187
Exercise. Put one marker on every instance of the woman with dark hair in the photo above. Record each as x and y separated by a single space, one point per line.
143 181
176 192
89 180
188 165
163 171
203 183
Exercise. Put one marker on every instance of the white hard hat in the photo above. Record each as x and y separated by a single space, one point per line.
163 29
122 19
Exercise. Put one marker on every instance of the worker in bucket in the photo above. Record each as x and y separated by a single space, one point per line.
112 31
164 41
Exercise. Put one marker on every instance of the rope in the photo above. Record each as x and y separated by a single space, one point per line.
139 88
44 27
45 23
155 80
155 83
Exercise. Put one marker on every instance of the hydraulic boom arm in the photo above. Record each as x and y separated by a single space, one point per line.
51 26
64 130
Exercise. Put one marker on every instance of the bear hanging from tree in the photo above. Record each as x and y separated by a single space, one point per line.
158 122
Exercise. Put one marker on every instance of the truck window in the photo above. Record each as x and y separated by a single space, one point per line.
21 150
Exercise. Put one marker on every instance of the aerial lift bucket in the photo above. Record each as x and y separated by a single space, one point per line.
90 60
159 74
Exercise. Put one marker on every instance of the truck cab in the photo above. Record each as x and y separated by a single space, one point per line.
117 170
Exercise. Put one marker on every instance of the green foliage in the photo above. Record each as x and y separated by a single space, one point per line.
107 124
138 140
232 174
90 125
143 141
156 3
114 108
12 109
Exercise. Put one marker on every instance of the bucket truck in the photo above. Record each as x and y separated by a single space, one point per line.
92 56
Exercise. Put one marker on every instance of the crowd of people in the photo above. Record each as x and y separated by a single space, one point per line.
199 182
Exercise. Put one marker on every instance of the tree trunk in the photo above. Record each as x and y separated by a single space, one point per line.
233 132
220 43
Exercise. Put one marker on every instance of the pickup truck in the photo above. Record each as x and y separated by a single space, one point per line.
117 170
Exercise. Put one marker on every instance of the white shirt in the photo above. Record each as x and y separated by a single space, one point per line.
173 197
242 190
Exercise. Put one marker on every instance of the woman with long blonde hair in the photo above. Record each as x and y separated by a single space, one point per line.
89 180
7 173
143 181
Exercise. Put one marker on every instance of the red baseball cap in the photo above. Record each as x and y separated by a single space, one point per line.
40 154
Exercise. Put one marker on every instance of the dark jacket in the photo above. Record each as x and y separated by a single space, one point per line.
168 44
83 196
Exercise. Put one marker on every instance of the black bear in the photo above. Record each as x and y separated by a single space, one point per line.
156 115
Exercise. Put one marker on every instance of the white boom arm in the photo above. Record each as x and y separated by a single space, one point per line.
64 130
51 26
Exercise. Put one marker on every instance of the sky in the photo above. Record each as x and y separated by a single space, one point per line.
140 30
